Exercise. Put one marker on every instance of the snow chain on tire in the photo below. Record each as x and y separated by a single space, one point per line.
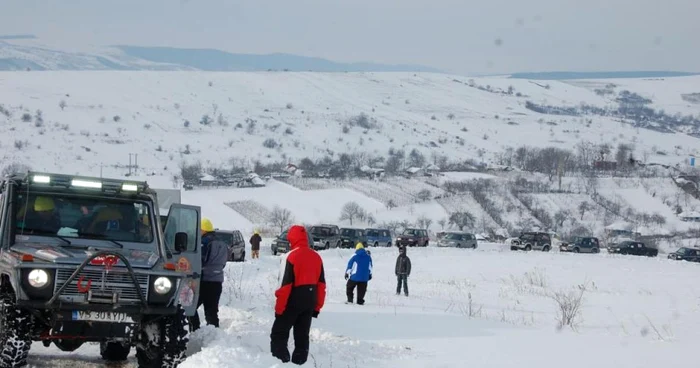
15 332
165 342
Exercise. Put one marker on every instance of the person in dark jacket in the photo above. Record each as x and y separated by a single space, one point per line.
255 241
358 273
402 270
42 219
214 259
300 298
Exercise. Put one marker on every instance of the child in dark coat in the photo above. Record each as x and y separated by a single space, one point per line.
402 270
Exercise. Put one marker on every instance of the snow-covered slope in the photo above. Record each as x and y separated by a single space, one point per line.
158 116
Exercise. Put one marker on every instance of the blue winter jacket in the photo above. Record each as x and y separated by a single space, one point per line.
360 266
214 258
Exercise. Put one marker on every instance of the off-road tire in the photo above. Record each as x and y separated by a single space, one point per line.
595 250
546 248
338 244
15 331
114 351
528 248
388 245
376 245
328 246
576 250
164 342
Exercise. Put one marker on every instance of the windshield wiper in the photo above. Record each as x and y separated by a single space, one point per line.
101 237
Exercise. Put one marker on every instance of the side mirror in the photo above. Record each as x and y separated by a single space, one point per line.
180 242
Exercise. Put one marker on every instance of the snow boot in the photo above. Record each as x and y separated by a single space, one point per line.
281 354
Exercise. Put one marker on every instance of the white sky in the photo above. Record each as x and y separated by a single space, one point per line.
453 35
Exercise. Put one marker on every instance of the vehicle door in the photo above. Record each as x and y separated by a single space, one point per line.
187 252
695 256
424 237
472 240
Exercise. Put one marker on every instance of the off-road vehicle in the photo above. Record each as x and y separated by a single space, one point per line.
532 241
349 237
85 259
581 244
325 236
413 238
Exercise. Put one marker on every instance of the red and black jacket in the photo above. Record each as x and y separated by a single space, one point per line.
303 284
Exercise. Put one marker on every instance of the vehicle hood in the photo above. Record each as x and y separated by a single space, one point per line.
75 256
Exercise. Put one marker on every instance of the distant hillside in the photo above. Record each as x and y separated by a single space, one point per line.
217 60
599 75
23 52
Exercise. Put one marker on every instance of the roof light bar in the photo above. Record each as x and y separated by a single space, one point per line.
86 184
130 187
41 179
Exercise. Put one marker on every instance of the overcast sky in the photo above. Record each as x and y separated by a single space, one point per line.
462 36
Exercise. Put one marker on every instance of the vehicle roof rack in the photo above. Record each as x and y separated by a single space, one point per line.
88 183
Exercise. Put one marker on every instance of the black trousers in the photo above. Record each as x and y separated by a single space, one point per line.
361 290
402 280
209 295
300 320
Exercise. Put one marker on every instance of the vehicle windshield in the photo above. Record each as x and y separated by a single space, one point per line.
321 231
72 216
348 232
684 251
410 232
527 236
224 237
454 237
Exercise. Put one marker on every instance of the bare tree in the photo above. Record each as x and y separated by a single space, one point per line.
462 219
62 104
583 207
352 211
390 204
424 195
442 223
423 222
559 218
281 218
370 220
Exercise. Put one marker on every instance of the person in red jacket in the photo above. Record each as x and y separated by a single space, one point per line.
299 299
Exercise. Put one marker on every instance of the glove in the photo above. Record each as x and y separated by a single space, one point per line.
370 277
346 276
315 314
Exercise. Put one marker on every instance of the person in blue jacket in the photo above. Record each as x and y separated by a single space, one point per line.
358 273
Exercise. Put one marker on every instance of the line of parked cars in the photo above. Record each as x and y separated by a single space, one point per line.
545 242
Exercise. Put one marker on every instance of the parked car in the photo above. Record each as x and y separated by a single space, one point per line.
581 244
236 244
349 237
634 248
379 237
325 236
281 245
686 254
413 238
532 241
457 240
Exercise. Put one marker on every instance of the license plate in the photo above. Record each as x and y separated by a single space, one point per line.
110 317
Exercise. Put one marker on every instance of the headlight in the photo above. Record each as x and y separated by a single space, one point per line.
38 278
162 285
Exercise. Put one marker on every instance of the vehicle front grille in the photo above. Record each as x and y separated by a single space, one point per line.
115 281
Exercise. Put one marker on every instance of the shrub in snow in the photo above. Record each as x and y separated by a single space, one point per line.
270 143
569 305
26 117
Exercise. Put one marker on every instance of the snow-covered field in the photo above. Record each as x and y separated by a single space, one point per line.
488 307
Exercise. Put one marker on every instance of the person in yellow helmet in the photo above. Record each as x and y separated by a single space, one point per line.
42 217
214 259
255 241
358 273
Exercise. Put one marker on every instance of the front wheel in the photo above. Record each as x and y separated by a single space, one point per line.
15 331
388 245
114 351
546 248
376 244
164 342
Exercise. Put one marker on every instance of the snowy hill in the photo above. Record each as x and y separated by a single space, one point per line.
25 53
96 123
92 118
